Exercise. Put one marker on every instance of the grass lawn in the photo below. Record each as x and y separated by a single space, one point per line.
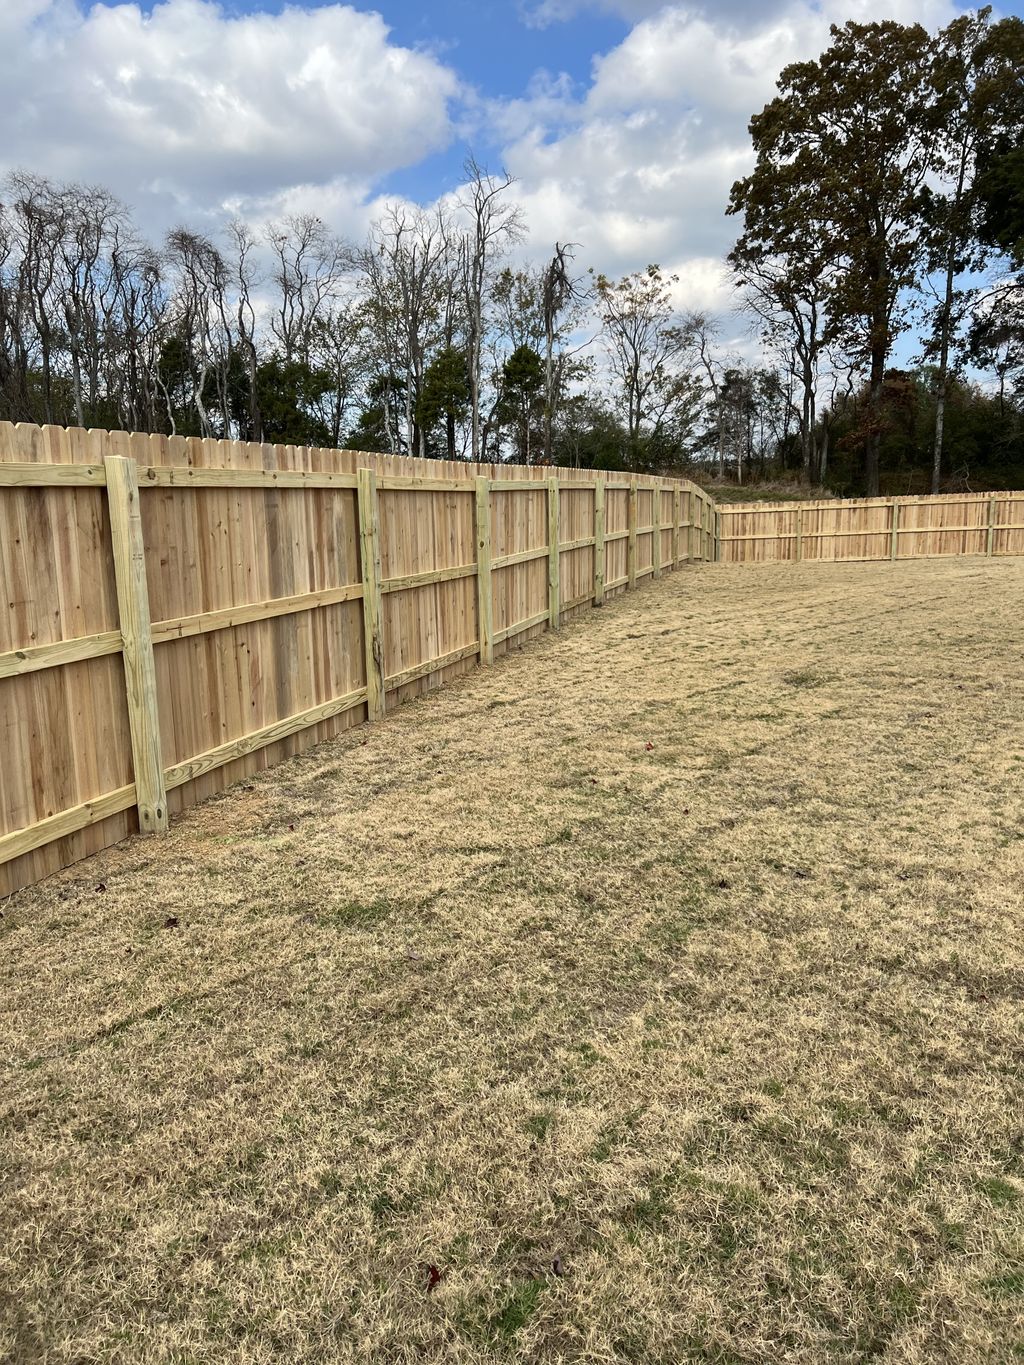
654 997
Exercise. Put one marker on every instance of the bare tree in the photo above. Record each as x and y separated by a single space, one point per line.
408 275
310 266
494 224
559 292
247 278
650 349
199 319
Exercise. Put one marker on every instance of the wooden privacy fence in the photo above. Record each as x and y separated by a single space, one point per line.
829 531
179 613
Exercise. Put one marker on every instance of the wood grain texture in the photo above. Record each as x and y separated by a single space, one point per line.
485 588
554 557
373 612
129 558
255 597
855 530
599 543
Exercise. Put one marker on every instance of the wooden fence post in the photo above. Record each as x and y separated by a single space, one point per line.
676 506
799 534
718 535
691 518
656 533
991 525
373 613
895 529
484 599
554 558
631 540
599 532
136 641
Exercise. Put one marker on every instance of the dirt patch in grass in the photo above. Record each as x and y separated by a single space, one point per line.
654 997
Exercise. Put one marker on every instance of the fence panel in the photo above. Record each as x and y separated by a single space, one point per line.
280 583
829 531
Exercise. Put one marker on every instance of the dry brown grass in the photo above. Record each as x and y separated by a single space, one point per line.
726 1030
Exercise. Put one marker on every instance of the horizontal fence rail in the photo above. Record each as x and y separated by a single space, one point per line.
180 613
830 531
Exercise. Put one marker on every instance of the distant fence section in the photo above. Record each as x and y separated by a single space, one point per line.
830 531
178 613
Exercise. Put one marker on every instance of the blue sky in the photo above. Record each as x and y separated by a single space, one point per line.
623 121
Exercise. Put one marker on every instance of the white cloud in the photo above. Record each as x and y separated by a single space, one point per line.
192 113
190 107
639 168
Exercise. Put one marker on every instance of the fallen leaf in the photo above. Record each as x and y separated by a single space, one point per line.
171 922
433 1278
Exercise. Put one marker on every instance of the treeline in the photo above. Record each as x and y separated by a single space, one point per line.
425 339
888 195
887 198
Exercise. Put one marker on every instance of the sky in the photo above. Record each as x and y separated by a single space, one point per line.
623 121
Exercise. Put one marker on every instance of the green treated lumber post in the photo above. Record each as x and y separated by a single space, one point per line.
136 641
554 558
656 533
373 611
484 596
631 539
599 533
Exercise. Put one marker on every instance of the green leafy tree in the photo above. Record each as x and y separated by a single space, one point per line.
381 415
289 394
843 153
444 399
521 405
978 105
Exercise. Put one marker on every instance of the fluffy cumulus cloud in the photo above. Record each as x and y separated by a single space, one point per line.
190 111
187 107
638 167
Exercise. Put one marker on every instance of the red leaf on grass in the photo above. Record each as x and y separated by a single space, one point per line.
433 1278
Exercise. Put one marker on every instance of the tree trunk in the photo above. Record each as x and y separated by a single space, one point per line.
943 385
721 442
874 442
